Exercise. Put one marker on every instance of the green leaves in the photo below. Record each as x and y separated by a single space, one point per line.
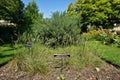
31 10
11 10
60 30
96 12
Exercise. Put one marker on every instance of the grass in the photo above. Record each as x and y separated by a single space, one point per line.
7 53
41 59
108 52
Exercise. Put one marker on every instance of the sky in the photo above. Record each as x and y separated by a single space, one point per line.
47 7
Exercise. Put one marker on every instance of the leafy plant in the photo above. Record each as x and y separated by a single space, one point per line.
60 30
62 77
97 12
117 41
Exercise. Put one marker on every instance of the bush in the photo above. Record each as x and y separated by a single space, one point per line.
106 36
117 41
92 34
118 32
61 30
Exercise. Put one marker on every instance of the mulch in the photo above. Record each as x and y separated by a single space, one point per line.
107 72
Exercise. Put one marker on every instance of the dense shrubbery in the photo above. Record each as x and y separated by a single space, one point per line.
62 30
93 34
105 36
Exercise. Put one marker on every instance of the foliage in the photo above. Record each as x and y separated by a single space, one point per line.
11 11
24 18
96 12
62 77
60 30
32 15
118 32
117 41
33 22
8 34
93 34
70 10
105 36
31 10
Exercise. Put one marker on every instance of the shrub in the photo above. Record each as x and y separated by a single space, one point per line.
61 30
106 36
92 34
118 32
117 41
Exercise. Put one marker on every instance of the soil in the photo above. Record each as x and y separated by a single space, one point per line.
106 72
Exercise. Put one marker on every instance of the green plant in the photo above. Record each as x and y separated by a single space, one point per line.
60 30
108 53
7 52
31 61
106 37
62 77
117 41
93 34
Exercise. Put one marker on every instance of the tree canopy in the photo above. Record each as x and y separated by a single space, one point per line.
11 10
32 11
32 16
96 12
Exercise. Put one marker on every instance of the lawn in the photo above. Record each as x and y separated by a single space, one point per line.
7 53
110 53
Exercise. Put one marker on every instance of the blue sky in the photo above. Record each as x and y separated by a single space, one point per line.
47 7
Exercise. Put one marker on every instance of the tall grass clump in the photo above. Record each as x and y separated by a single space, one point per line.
39 59
85 57
32 60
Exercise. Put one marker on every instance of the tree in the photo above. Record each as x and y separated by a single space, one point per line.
114 17
96 12
32 11
32 14
10 11
32 22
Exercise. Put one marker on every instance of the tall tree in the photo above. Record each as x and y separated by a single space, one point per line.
33 20
32 14
97 12
11 11
32 11
115 15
